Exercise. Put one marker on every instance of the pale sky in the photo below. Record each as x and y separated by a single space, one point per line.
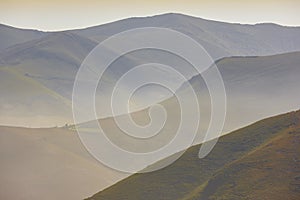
53 15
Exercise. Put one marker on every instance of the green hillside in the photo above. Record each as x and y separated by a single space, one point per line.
260 161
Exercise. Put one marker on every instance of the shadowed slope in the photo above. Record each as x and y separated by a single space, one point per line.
37 80
256 87
220 39
10 36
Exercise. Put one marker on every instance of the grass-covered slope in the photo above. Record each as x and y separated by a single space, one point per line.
270 171
260 161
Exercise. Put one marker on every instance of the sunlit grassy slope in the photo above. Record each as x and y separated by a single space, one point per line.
260 161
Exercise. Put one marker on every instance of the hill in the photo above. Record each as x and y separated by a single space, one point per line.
260 161
46 63
220 39
10 36
48 163
256 87
41 73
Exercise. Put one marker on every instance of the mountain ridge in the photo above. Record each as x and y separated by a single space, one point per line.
53 60
149 16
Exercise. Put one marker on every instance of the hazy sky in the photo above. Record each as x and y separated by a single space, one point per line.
67 14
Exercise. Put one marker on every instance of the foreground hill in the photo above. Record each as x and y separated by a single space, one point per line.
260 161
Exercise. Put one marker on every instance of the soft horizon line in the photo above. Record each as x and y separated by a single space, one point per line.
149 16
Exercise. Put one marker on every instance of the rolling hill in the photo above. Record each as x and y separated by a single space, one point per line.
37 72
249 84
260 161
46 63
256 88
49 163
41 73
